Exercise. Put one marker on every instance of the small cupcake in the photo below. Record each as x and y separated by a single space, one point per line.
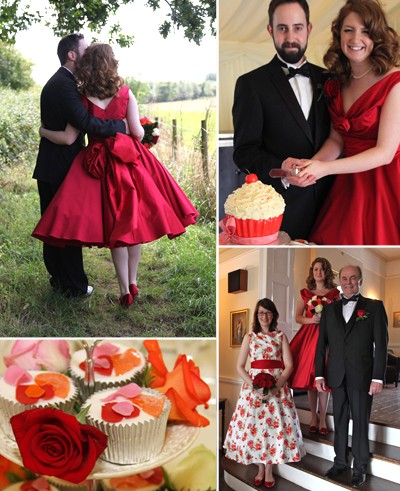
25 389
114 365
133 418
40 484
257 210
145 481
69 486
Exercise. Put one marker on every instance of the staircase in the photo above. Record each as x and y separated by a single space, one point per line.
383 472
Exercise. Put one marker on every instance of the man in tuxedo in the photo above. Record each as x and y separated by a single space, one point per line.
354 331
60 103
279 112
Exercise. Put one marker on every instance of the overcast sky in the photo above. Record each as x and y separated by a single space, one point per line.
151 58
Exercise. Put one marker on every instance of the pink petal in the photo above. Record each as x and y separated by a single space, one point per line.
102 363
105 349
15 375
124 408
128 391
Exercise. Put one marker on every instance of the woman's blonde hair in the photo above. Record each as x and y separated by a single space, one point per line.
97 72
385 53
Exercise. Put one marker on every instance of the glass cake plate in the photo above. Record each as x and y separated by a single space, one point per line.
178 439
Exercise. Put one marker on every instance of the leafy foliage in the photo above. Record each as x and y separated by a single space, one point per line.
19 124
66 16
15 71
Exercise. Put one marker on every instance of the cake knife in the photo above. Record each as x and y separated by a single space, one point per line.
283 173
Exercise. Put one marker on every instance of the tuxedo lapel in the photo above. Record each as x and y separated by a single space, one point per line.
361 304
318 105
339 314
284 89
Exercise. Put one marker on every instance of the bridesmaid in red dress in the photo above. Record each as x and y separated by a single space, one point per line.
320 290
116 193
363 207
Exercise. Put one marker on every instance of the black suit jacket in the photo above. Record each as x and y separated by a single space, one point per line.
269 126
356 350
60 103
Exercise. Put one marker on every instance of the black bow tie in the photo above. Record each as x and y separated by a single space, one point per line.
303 70
354 298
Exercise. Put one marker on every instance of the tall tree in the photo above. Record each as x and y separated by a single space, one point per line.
195 17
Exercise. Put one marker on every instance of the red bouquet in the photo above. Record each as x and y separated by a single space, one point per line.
151 132
316 304
264 381
54 443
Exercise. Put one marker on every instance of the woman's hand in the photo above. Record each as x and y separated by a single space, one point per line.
316 318
313 169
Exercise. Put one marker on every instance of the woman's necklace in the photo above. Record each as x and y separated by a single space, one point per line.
363 75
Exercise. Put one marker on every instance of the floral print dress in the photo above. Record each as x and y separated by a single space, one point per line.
264 429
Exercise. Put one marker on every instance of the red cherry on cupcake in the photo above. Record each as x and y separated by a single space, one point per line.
251 178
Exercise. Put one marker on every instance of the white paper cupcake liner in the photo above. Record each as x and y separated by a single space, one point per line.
104 384
134 443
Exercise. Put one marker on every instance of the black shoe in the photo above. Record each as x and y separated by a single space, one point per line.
335 471
358 479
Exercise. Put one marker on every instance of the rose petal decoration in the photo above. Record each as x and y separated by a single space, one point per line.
15 375
108 349
128 391
111 415
137 481
39 484
54 443
183 386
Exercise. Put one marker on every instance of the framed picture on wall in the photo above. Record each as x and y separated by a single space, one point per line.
239 326
396 319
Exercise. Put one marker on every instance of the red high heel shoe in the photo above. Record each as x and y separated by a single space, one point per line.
269 484
126 300
133 290
257 482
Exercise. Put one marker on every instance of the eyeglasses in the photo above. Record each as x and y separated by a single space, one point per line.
265 314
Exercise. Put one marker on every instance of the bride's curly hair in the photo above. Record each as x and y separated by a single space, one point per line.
97 72
386 50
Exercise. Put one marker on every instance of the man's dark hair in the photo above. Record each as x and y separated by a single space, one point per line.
275 3
68 43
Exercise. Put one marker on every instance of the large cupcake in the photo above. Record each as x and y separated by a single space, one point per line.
114 365
25 389
133 418
257 210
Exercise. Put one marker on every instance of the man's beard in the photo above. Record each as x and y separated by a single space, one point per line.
292 57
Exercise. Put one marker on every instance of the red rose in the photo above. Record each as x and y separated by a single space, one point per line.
360 313
263 381
331 88
54 443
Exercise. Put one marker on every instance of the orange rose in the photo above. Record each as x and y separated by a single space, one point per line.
183 386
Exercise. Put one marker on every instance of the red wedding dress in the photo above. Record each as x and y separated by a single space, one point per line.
304 345
362 208
115 194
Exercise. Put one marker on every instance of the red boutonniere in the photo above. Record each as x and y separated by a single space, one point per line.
361 314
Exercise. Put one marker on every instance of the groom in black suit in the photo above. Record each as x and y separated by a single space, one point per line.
354 331
279 112
60 103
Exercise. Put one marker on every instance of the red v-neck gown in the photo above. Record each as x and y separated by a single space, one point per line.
362 208
115 194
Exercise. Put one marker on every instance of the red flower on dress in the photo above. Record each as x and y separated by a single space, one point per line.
54 443
342 125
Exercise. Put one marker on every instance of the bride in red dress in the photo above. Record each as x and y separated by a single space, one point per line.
116 193
363 207
320 290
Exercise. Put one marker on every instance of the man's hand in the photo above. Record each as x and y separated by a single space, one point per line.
375 388
320 384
